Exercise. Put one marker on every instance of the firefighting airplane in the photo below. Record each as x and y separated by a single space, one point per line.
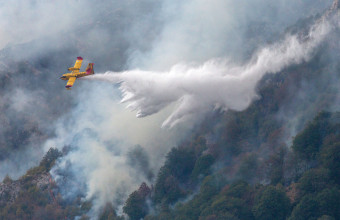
71 77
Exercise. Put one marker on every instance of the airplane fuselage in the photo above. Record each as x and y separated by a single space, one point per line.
67 76
74 74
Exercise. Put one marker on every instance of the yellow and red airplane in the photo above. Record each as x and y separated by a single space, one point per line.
71 77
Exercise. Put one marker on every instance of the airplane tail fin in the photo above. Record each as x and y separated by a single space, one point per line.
89 69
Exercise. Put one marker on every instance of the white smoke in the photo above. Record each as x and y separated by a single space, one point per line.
199 30
101 135
216 83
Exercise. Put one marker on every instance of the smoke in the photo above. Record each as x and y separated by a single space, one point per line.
36 48
103 163
214 84
197 31
20 126
187 49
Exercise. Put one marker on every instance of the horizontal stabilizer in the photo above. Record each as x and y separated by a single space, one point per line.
72 69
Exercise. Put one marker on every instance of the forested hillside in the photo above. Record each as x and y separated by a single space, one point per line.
300 182
246 165
242 165
220 177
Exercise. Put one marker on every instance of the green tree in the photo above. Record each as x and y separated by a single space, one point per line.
239 189
313 181
306 209
202 166
271 204
308 142
235 206
193 209
328 201
167 187
180 162
50 158
330 156
136 206
177 170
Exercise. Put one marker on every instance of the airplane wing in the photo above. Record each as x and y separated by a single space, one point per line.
70 82
77 65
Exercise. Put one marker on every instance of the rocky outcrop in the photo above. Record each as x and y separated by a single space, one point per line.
10 190
42 181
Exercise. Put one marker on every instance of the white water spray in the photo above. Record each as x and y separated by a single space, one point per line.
216 83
